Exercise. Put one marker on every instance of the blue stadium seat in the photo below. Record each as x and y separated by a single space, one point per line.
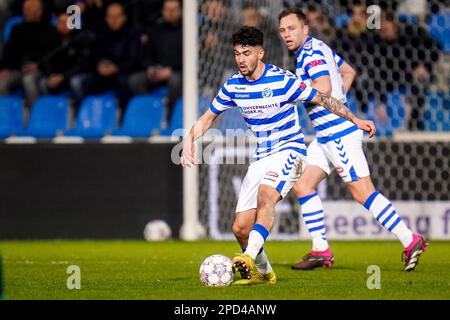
49 116
439 27
437 117
352 103
142 116
96 117
406 17
176 120
160 92
11 116
342 20
232 119
305 122
395 109
9 25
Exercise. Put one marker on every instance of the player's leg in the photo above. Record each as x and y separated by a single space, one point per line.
245 218
311 209
284 170
243 224
246 263
357 177
385 213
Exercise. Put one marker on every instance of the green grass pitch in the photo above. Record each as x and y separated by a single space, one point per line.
169 270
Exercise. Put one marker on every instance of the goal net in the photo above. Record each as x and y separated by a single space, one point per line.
403 87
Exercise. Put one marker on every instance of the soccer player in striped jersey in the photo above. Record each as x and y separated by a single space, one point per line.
338 145
267 98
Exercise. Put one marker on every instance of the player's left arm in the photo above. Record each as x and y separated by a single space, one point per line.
348 75
339 109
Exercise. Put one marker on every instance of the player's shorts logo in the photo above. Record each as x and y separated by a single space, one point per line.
267 93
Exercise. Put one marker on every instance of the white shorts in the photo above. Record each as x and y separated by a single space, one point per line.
280 171
346 153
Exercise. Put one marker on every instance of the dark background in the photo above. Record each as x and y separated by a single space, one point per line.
89 191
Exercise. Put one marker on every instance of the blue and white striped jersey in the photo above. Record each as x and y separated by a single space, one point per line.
268 106
316 59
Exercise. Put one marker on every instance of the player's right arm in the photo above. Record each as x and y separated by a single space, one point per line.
338 108
221 102
188 157
300 92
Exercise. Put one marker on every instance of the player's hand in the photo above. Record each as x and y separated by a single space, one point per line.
188 157
367 126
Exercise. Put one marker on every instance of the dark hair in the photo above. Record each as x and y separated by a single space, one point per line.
297 11
248 36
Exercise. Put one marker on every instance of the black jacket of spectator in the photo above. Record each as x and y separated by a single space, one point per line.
165 46
28 43
120 47
70 56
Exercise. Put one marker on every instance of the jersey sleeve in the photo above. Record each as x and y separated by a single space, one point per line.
221 102
300 92
315 65
338 59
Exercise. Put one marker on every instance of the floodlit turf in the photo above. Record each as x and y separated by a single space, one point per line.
169 270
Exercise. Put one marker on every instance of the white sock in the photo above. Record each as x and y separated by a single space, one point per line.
262 263
386 215
256 240
311 210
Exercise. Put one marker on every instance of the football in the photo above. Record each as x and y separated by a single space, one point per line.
157 230
216 271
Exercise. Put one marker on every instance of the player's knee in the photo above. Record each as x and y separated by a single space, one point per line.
240 231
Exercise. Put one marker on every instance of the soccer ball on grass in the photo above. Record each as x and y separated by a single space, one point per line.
217 271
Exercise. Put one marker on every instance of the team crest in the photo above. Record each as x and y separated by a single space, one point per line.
267 93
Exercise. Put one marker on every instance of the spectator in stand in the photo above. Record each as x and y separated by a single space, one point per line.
407 55
28 44
116 54
68 59
351 43
257 17
144 15
163 57
319 25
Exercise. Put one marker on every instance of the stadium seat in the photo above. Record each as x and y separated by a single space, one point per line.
342 20
352 103
142 116
9 25
406 17
96 117
437 117
439 27
49 116
395 109
305 122
176 121
232 119
11 116
160 92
